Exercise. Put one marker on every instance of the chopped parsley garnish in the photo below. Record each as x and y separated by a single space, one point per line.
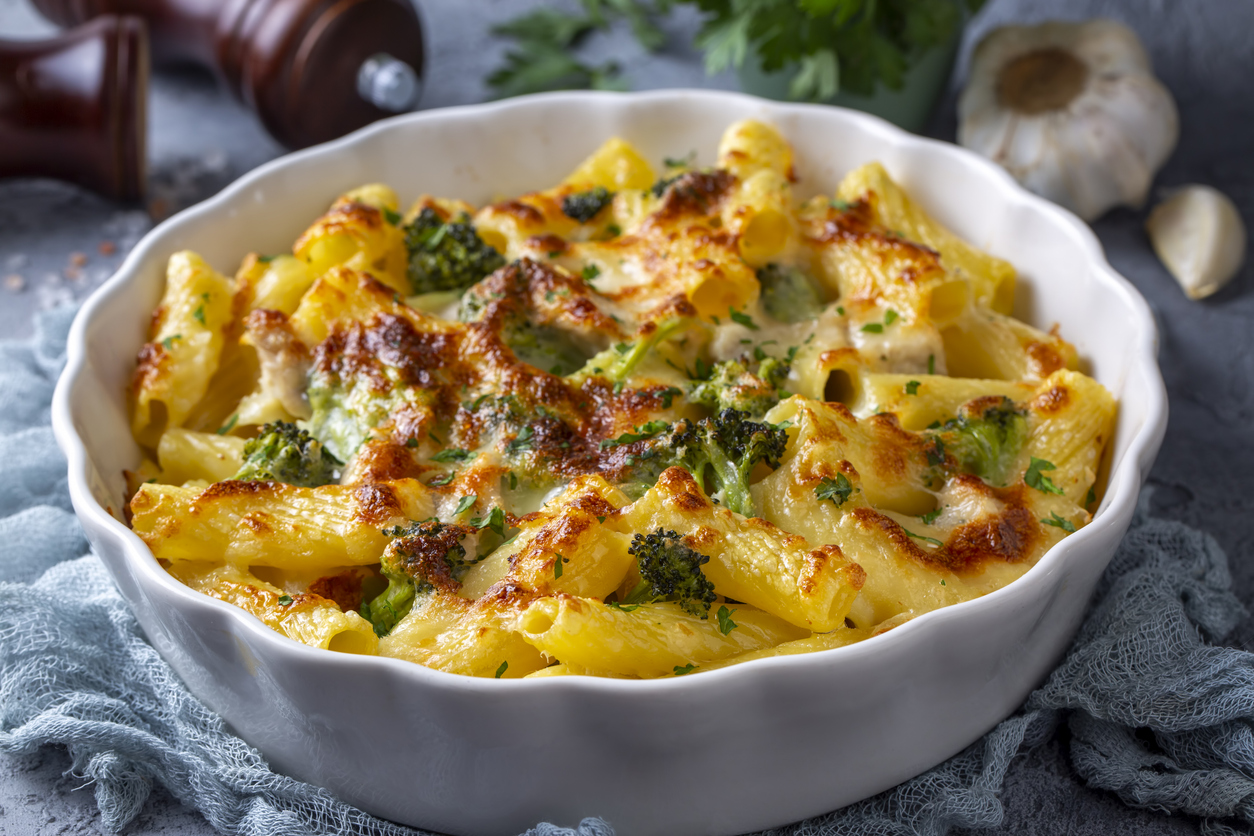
930 516
513 481
495 520
623 607
890 317
557 565
199 314
840 309
453 454
936 453
1059 522
285 600
725 623
742 318
522 441
266 259
441 481
931 540
229 425
1035 479
411 442
681 670
465 504
912 387
667 395
1090 497
613 230
649 430
168 342
391 216
590 272
839 205
838 490
502 669
872 328
931 364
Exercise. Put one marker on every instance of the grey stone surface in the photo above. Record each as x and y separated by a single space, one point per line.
201 139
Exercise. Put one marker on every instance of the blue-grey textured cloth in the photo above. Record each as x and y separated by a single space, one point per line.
1158 712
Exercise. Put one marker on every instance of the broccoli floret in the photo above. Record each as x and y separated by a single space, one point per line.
670 571
788 294
447 255
985 439
584 206
731 385
617 363
285 453
728 446
423 557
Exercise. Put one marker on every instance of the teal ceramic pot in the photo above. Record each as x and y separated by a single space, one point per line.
907 108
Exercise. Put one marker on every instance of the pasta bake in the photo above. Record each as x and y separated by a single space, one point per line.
640 424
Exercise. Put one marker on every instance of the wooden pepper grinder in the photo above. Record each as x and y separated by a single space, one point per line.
74 107
312 69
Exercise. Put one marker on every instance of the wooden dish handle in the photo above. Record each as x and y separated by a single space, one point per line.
74 107
312 69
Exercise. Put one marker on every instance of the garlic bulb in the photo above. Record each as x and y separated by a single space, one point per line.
1199 235
1071 110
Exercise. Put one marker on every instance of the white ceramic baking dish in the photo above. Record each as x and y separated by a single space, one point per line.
726 752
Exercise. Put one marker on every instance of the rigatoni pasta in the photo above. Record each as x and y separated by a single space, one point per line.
646 422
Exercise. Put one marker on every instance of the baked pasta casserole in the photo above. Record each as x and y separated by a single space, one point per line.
637 425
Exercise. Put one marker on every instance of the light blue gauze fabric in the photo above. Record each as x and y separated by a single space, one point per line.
1158 713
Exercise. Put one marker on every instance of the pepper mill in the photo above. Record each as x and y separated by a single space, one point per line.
312 69
73 107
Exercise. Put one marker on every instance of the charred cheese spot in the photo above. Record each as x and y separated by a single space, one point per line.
377 504
696 193
151 366
1010 536
345 589
1052 401
681 490
1044 359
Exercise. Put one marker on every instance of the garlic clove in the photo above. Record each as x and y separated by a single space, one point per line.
1200 237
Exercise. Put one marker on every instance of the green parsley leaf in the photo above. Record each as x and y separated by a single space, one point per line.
838 490
557 565
411 442
285 600
912 387
623 607
681 162
649 430
266 259
391 216
839 205
502 669
1090 497
667 395
1034 479
931 364
495 520
872 328
590 272
931 540
168 342
936 453
930 516
199 314
680 670
441 481
229 425
453 454
613 230
522 441
840 309
890 317
465 504
1059 522
725 623
742 318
